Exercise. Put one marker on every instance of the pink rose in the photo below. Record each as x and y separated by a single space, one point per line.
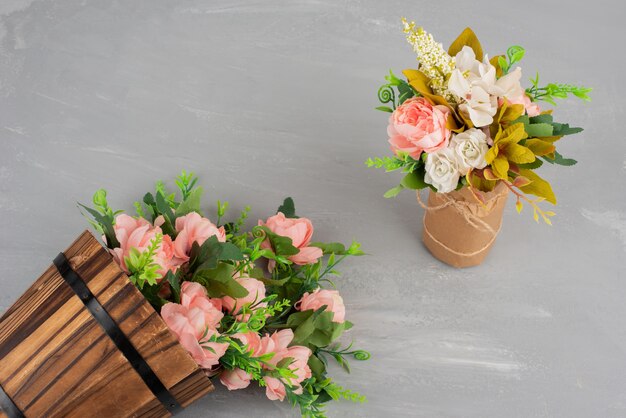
300 230
139 233
252 340
299 365
206 354
256 293
194 321
235 379
274 389
194 228
276 343
416 125
321 297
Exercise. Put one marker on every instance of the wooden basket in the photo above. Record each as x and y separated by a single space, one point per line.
57 360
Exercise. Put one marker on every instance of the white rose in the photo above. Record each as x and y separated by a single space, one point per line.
470 148
442 170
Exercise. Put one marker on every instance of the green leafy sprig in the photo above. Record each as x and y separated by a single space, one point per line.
103 217
141 266
553 91
387 92
514 54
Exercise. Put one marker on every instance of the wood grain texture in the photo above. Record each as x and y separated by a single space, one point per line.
56 360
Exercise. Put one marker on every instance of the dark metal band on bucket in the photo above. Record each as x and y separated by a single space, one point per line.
115 333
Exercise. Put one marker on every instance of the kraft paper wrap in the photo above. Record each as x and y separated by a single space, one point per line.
459 230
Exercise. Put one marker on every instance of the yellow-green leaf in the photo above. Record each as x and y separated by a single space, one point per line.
467 38
479 182
540 147
538 186
519 154
512 134
519 206
421 83
500 167
492 153
494 61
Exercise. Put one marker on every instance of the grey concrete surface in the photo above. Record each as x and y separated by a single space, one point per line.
265 99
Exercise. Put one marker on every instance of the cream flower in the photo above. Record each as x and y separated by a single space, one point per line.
509 86
470 148
442 170
474 83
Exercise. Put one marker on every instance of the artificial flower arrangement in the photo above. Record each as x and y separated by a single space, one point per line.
462 122
248 306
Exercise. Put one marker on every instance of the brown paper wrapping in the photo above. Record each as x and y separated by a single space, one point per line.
458 239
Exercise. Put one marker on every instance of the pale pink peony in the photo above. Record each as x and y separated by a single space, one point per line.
300 230
139 233
194 228
532 108
194 321
235 379
320 297
256 293
416 125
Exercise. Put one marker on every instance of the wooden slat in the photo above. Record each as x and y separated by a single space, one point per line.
55 360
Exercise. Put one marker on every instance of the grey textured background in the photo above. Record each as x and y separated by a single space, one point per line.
268 99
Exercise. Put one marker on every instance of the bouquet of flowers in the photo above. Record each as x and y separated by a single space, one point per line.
247 305
463 120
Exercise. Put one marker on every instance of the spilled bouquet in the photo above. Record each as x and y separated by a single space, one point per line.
462 119
248 306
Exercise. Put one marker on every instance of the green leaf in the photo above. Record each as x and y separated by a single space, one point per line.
314 328
330 247
317 366
175 283
211 251
535 130
560 160
414 180
190 204
545 118
288 208
561 129
504 65
106 222
394 191
515 54
535 164
282 246
219 281
384 109
405 92
165 209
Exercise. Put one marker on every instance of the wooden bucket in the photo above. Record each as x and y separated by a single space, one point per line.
59 360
